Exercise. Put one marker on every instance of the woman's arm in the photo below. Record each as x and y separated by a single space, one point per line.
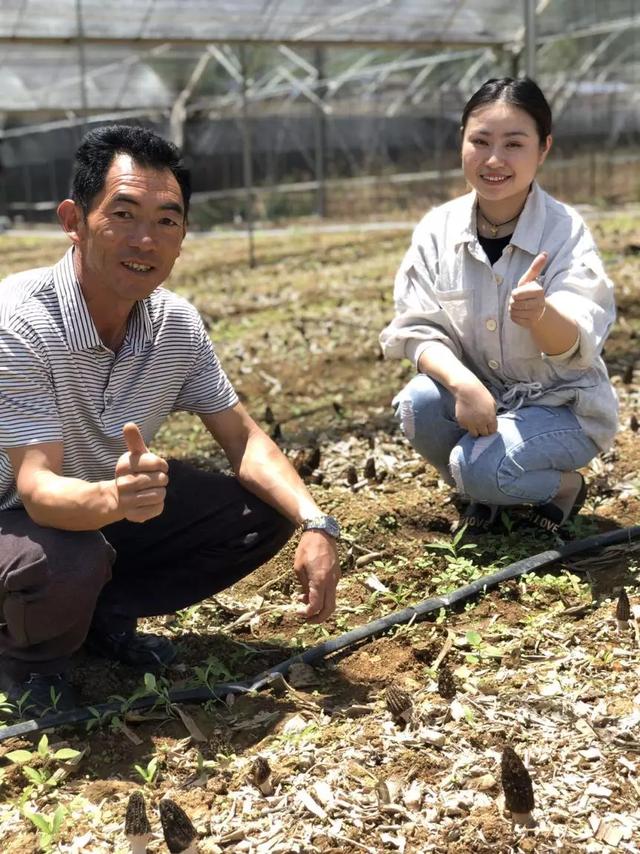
475 405
551 328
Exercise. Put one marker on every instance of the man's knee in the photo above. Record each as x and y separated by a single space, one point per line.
51 583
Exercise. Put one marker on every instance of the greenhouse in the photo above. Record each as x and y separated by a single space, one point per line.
284 112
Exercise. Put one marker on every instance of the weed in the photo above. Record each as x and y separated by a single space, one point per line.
48 825
44 776
481 649
455 547
149 772
214 671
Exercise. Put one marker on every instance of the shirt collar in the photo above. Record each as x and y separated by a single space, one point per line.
529 229
79 327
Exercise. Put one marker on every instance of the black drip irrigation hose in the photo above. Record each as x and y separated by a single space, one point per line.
317 653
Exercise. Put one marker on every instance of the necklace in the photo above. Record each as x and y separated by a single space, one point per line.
494 226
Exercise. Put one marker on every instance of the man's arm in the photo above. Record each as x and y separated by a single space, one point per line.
264 470
71 504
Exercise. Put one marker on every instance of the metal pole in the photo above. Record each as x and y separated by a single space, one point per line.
247 164
82 65
530 37
320 134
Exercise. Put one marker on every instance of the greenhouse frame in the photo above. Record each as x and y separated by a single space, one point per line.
286 110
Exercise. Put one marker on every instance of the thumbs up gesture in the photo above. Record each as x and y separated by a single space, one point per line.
527 303
141 478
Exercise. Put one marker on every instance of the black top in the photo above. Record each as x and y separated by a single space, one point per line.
493 246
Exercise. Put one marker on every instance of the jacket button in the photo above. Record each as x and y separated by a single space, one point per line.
493 364
491 325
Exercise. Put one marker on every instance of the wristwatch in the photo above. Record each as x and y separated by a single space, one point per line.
328 524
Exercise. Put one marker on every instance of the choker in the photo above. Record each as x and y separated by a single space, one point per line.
494 226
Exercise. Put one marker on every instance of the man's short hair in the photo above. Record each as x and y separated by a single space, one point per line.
99 147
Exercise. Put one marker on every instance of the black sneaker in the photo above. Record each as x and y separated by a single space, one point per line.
478 519
550 518
39 694
146 651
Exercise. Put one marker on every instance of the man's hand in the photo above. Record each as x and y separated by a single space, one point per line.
318 570
476 409
141 478
528 302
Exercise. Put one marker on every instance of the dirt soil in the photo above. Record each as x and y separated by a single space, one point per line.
539 664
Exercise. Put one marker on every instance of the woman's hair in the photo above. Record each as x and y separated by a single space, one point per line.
523 93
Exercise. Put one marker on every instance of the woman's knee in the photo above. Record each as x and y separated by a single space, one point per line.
474 464
420 403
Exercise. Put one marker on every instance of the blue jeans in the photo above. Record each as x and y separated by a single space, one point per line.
519 464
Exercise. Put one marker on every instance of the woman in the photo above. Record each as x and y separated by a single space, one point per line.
503 305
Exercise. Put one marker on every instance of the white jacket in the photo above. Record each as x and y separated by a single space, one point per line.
447 291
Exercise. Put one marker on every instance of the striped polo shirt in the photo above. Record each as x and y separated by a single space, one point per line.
60 383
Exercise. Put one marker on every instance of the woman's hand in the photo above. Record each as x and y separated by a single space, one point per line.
475 408
528 302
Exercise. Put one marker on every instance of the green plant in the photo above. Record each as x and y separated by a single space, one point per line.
481 649
45 775
15 708
455 547
149 772
213 671
6 708
48 825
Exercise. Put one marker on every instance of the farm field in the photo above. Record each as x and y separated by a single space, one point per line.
537 664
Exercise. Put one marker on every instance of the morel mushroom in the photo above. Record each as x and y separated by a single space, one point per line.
623 611
260 775
352 475
179 832
398 702
313 460
136 824
446 683
518 788
370 469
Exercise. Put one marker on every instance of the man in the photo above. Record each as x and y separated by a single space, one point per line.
95 529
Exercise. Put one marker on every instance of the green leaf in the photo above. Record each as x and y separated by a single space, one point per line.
43 745
19 757
150 682
40 822
34 775
66 753
474 638
58 818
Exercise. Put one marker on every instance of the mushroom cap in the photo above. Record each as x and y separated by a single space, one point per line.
260 770
178 830
623 608
397 700
136 822
446 683
516 783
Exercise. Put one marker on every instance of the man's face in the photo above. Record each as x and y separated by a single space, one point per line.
131 237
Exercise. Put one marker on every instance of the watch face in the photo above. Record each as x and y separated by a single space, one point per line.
331 527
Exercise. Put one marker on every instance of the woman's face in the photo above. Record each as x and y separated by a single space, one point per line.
501 153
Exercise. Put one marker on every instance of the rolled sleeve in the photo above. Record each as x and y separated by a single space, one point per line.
582 291
420 319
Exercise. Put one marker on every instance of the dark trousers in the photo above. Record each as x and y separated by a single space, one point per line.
54 585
